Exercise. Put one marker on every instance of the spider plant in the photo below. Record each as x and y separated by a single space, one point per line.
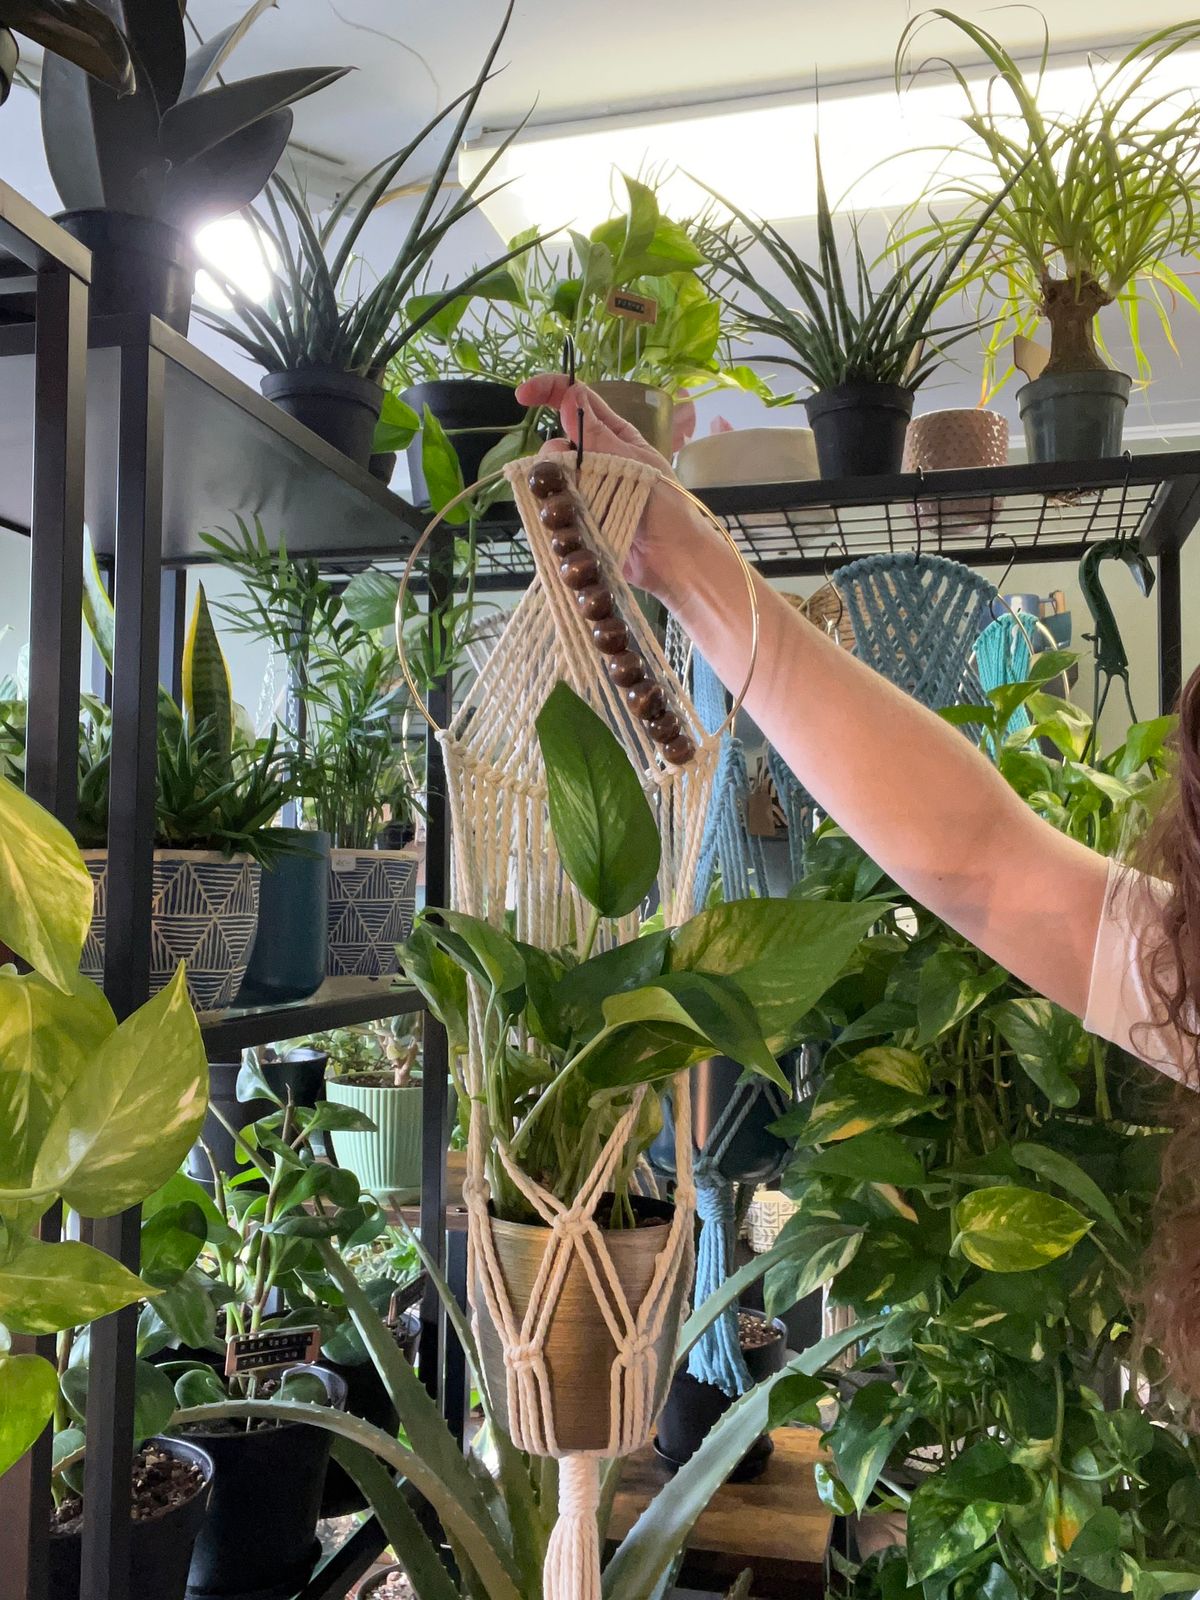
321 311
1096 201
855 326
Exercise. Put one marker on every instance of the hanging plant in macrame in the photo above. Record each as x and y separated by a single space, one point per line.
592 1287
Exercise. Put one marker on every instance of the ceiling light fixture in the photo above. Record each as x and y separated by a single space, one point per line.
759 152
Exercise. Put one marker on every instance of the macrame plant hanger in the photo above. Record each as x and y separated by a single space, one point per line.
505 865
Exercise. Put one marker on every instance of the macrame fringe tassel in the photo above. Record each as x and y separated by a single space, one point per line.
717 1356
572 1567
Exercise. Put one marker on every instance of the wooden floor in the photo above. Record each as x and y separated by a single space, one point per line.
776 1525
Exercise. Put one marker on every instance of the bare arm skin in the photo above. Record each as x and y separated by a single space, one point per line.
913 792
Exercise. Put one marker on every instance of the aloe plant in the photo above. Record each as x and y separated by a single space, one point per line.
182 147
849 326
71 29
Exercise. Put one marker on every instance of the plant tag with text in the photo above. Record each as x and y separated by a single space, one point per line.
634 307
278 1347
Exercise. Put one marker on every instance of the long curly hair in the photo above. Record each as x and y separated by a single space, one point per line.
1171 969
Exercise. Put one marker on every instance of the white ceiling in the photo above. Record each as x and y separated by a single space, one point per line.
575 58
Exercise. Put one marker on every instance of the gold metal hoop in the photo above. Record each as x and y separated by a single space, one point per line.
494 477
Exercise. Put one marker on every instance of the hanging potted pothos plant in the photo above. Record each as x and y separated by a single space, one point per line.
140 169
1099 202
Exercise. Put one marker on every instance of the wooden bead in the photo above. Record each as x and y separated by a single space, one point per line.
546 478
596 602
680 751
646 700
565 541
626 669
665 728
557 512
611 636
580 570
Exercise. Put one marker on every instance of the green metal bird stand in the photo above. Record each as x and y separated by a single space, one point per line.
1111 657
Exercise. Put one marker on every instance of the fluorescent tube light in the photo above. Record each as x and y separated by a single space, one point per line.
759 152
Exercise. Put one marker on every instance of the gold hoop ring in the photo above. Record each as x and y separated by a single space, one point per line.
494 477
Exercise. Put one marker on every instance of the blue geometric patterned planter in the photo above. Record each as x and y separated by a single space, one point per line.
204 913
372 898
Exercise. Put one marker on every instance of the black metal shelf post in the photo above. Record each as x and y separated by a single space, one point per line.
38 261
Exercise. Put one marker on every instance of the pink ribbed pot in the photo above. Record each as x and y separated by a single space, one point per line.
948 441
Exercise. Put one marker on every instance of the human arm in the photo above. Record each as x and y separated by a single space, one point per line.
913 792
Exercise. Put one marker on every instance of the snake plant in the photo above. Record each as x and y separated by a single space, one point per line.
72 29
1097 201
183 147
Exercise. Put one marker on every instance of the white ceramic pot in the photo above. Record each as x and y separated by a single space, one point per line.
204 913
372 899
748 455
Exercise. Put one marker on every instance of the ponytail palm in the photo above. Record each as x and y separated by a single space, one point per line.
1097 202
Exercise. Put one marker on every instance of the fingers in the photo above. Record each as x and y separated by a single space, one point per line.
603 429
544 389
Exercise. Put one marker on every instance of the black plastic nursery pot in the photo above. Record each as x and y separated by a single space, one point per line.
259 1542
476 415
160 1547
291 947
693 1407
1074 416
859 428
302 1074
340 407
752 1154
138 265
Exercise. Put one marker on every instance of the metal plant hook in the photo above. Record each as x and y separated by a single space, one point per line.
568 367
833 629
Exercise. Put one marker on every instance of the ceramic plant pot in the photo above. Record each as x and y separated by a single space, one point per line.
748 455
260 1539
139 265
650 410
579 1350
693 1407
1074 416
204 912
340 407
160 1548
302 1075
291 948
475 413
941 441
388 1160
859 428
372 899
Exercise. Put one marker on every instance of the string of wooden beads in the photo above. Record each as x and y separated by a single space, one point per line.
580 570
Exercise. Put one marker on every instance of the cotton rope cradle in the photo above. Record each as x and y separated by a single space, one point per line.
505 863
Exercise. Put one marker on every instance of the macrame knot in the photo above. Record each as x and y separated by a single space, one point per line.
474 1189
714 1195
717 1358
520 1357
572 1569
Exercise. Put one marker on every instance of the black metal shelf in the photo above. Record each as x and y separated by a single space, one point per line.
987 516
338 1003
227 452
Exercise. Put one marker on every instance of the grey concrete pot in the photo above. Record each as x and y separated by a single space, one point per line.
1074 416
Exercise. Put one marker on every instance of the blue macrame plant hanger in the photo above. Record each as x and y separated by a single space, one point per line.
1003 655
915 620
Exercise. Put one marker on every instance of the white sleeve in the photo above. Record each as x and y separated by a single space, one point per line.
1121 1005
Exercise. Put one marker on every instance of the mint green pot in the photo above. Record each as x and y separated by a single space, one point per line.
387 1161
